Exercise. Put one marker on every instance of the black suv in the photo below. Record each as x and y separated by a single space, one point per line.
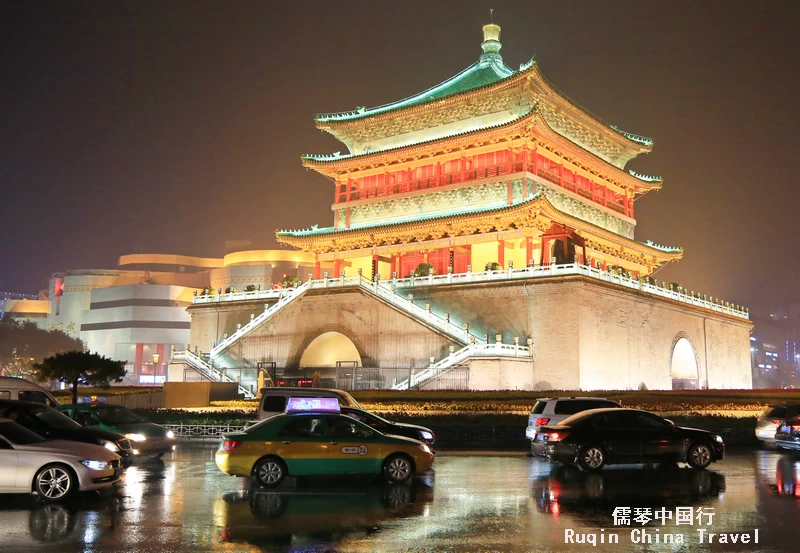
54 425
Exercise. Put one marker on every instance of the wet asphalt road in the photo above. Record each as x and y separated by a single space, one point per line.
472 502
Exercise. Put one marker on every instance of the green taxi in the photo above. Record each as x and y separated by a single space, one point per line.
147 438
314 439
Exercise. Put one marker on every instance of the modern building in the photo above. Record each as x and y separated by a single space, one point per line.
483 236
137 312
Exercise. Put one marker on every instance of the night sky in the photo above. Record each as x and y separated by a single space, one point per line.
174 126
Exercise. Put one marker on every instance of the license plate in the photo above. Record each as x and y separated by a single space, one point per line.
785 429
539 437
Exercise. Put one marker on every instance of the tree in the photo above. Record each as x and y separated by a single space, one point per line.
77 367
423 270
23 343
290 281
493 266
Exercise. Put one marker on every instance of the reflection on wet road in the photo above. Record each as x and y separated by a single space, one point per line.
486 502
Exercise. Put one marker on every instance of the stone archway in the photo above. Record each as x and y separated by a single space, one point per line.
684 366
328 349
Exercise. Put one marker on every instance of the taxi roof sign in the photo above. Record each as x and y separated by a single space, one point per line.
300 404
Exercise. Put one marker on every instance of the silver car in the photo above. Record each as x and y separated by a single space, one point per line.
773 416
52 468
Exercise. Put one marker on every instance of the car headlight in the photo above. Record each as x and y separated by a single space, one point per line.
718 438
136 437
170 434
424 448
111 446
94 465
426 435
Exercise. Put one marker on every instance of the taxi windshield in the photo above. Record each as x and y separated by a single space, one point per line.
114 414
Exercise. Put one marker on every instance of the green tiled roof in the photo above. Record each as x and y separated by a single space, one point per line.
486 71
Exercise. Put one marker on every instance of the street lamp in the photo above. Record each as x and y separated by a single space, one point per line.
156 357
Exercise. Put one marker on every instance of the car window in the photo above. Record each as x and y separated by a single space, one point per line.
775 413
5 394
113 415
649 422
619 419
275 404
17 434
85 418
28 395
577 405
4 444
52 418
303 427
342 428
538 408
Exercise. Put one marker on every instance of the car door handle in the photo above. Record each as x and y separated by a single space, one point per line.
334 443
287 442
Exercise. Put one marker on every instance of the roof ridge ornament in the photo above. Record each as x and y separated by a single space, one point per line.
491 41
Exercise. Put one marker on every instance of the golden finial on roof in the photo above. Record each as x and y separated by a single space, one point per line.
491 37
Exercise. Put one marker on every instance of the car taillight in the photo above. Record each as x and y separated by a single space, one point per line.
556 436
796 427
776 421
541 421
229 445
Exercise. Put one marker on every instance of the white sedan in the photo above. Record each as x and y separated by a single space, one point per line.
53 469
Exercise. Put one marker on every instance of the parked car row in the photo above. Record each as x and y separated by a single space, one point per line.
53 449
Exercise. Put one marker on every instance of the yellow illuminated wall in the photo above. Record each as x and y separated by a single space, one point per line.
328 348
482 254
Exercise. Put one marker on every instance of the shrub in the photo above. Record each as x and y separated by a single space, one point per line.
493 266
423 270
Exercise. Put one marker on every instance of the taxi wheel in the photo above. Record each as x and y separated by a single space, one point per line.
269 472
398 468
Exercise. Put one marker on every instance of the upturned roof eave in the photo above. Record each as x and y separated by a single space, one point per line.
663 253
325 166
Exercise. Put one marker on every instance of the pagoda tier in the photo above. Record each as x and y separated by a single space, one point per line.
526 154
522 233
486 94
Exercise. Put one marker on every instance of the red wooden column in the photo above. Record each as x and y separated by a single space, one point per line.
396 264
528 251
501 252
374 266
510 187
545 250
337 268
317 270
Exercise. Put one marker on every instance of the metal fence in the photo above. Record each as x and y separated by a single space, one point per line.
361 378
504 437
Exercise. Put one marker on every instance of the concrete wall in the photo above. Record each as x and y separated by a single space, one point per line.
384 336
586 334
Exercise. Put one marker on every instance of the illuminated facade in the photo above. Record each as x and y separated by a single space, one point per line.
493 165
521 203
